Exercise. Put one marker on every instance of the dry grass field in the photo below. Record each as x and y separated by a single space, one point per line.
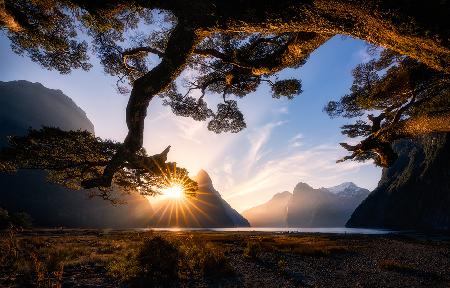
102 258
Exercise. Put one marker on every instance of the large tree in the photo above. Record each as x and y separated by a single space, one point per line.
231 46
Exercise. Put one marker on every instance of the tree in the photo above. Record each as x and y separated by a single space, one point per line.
232 47
410 98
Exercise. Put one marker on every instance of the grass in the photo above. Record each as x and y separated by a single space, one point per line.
306 246
168 259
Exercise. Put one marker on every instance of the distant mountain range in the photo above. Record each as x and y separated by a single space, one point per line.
206 209
414 193
308 207
24 104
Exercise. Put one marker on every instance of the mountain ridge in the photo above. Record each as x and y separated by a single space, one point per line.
205 210
308 207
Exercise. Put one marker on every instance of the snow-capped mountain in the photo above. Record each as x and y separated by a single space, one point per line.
349 190
309 207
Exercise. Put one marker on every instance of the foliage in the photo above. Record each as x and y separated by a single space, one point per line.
17 220
410 99
253 248
205 258
158 261
227 49
25 262
77 156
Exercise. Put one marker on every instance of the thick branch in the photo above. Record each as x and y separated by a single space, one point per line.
181 43
289 54
134 51
380 141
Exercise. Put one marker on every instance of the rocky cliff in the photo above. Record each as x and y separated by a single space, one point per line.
415 192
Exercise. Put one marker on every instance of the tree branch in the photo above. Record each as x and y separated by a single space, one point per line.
180 46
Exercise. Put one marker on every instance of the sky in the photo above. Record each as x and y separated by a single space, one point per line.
285 142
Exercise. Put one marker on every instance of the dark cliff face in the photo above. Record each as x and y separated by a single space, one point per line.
207 209
24 104
415 192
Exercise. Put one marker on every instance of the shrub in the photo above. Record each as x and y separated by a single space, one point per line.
205 259
214 263
4 218
20 219
253 249
158 260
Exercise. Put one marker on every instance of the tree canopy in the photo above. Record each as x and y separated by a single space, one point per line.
229 47
409 98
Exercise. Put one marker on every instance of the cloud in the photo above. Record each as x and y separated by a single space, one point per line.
257 140
295 141
282 110
315 165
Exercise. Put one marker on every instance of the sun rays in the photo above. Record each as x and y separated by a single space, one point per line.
184 211
175 192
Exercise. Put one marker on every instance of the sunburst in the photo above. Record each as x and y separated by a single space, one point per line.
174 192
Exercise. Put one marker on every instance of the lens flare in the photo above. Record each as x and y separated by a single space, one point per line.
175 191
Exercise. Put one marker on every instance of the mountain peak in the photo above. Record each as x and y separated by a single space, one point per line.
203 178
302 186
341 187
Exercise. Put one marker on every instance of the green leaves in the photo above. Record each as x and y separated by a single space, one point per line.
287 88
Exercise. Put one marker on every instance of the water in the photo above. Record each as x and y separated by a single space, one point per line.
337 230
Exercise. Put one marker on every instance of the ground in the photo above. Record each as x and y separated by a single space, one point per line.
109 258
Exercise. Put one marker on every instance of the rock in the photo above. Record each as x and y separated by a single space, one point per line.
414 193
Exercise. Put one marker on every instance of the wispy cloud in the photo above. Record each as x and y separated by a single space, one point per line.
315 165
295 141
257 140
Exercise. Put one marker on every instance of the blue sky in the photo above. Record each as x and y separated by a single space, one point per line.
285 142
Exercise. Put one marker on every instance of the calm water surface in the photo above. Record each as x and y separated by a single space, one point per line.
337 230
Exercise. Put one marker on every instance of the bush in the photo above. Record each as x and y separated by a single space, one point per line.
158 261
214 263
20 219
253 249
4 218
203 259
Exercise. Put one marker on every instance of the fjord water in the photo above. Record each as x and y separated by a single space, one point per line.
335 230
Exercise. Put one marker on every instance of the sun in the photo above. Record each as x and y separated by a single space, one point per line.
175 191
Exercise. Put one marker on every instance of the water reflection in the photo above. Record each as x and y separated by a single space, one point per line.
336 230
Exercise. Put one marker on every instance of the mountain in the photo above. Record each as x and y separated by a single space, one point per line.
270 214
24 104
414 193
206 210
308 207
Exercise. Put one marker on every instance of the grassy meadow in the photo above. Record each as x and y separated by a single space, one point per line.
114 258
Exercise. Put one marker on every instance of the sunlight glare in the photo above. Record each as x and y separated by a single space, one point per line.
175 191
